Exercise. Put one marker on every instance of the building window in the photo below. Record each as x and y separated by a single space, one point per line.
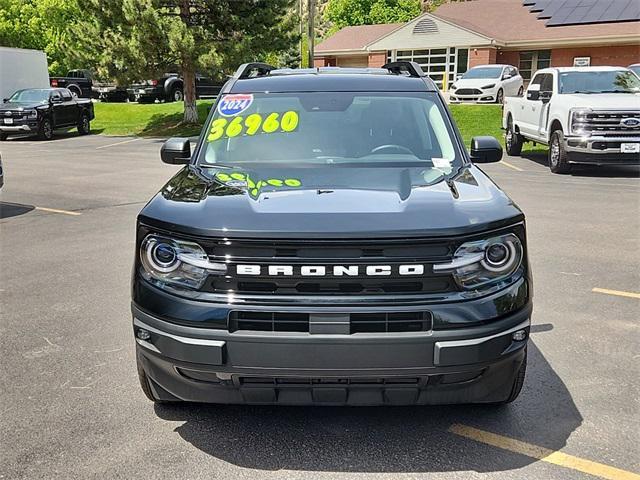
438 62
530 62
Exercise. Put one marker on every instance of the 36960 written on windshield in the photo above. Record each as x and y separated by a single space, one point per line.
253 124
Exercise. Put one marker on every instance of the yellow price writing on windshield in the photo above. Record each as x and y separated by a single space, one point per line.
253 124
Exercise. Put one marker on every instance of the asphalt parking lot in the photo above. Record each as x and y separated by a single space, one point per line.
71 407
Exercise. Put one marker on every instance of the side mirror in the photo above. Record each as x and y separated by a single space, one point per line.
56 99
545 97
533 92
485 150
176 151
5 100
506 76
458 76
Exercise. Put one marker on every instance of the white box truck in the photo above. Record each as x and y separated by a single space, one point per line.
21 68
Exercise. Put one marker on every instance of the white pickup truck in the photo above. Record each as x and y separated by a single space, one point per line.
588 115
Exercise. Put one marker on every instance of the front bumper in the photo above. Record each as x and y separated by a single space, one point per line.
18 128
601 150
461 365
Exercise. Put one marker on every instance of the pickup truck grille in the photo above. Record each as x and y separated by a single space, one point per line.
355 261
608 122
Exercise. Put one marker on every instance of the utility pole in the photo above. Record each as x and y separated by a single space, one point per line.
301 28
311 7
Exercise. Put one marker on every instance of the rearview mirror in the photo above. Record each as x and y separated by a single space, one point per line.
485 150
176 151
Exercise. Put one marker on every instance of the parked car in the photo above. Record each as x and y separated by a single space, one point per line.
170 88
331 241
635 68
487 84
40 111
78 82
32 68
588 115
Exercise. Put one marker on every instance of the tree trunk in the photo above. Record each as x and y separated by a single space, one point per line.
189 79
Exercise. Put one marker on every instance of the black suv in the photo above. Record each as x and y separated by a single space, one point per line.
330 241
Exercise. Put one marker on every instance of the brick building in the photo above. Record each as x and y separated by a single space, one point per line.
460 35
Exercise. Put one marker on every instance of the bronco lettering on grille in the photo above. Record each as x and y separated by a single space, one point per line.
335 270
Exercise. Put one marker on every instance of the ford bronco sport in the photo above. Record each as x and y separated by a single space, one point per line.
330 241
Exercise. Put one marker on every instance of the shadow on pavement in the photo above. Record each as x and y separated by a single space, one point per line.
382 439
8 210
610 171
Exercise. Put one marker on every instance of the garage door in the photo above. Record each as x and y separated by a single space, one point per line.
438 62
361 61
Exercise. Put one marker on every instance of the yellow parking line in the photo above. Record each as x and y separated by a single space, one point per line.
118 143
55 210
506 164
618 293
543 454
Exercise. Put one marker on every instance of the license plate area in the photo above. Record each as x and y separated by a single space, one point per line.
630 148
8 121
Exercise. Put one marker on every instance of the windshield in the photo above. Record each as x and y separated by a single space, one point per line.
613 81
483 72
30 96
331 129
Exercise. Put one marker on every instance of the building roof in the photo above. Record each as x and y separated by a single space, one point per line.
573 12
355 38
519 25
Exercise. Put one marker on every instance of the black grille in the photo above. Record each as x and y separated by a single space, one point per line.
468 91
369 322
329 255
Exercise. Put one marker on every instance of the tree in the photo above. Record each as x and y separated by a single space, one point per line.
41 25
129 39
342 13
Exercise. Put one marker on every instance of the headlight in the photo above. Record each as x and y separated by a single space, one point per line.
177 262
489 86
578 120
484 262
32 113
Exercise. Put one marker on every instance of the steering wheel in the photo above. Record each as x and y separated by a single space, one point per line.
391 146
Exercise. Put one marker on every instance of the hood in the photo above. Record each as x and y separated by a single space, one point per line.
475 82
606 101
328 202
20 105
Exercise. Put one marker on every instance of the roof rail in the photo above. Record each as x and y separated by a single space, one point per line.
404 67
246 70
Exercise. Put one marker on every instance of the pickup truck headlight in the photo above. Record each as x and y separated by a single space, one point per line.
32 113
578 120
482 263
176 262
493 85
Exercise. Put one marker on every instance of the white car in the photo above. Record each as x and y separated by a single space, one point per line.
487 84
587 115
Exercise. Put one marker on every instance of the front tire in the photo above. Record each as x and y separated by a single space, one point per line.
513 140
144 383
500 97
558 158
84 125
45 132
518 382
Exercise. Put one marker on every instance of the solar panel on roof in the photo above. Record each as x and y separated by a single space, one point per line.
575 12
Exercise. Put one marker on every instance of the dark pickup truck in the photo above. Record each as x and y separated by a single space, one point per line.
170 88
78 82
40 111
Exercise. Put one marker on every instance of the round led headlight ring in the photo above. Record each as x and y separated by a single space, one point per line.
162 256
499 256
